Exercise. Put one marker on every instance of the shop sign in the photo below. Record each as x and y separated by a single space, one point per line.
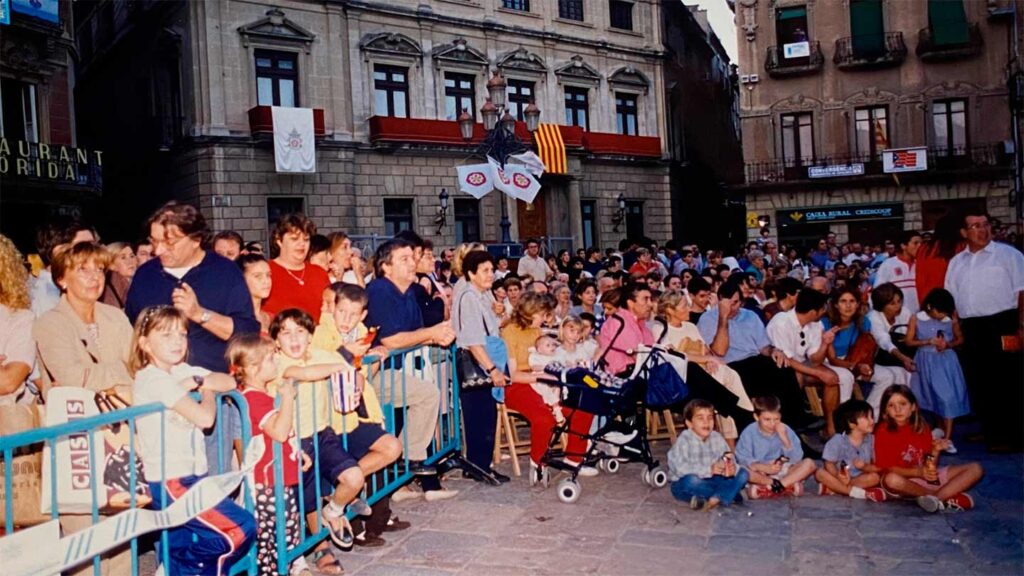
905 160
5 11
42 9
840 213
836 170
53 162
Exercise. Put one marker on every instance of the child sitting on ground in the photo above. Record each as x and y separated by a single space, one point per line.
847 454
251 358
699 463
172 447
906 451
292 329
771 453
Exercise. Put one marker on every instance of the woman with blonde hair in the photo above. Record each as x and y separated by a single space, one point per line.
17 349
119 275
83 342
346 265
672 328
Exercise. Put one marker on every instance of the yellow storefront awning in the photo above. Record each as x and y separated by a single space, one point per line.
551 148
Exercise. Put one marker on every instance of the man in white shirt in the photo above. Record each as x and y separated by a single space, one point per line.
987 283
902 270
531 264
800 336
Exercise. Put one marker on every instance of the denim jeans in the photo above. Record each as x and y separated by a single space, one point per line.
725 489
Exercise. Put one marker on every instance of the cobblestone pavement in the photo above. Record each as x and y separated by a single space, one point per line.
620 526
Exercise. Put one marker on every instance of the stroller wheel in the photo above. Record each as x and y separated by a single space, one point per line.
569 491
645 476
609 465
658 477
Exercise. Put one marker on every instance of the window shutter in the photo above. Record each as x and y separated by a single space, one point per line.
948 22
868 30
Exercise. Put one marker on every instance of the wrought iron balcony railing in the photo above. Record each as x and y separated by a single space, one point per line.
870 51
778 66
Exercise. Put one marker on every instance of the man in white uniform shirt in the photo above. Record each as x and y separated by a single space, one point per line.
798 333
987 283
902 271
532 265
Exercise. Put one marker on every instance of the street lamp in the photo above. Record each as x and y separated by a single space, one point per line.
500 141
442 212
620 214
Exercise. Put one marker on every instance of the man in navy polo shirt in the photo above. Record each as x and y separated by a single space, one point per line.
207 288
393 309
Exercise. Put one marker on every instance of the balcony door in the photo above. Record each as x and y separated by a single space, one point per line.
792 36
532 218
867 28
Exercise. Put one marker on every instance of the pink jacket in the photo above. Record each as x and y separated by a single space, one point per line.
621 350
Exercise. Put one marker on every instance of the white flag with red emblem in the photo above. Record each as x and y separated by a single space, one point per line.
477 180
515 180
294 146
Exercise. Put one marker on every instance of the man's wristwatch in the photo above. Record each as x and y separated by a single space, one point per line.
205 317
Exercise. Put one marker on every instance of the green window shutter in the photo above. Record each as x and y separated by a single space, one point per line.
867 27
948 22
790 13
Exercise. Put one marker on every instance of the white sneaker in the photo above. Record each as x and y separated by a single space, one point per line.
929 503
405 493
616 437
951 449
442 494
588 471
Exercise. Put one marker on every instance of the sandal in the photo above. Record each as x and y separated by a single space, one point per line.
332 567
342 537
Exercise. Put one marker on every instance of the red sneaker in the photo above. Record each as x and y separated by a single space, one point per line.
758 492
795 490
959 503
824 491
875 494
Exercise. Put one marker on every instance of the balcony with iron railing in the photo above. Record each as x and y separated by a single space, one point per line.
870 51
778 66
940 160
948 43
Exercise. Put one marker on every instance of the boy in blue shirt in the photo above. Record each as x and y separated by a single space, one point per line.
848 456
771 453
698 467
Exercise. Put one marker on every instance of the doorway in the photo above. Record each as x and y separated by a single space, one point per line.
532 218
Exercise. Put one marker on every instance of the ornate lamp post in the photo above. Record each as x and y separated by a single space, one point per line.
500 141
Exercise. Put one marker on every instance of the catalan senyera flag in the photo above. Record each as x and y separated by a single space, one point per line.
551 148
881 141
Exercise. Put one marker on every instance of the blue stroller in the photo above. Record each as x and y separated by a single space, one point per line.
607 397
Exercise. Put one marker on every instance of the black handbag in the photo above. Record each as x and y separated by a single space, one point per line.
469 373
886 358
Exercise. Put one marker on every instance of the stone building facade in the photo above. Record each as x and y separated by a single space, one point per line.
380 76
828 86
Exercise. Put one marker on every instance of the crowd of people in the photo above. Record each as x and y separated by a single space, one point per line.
790 357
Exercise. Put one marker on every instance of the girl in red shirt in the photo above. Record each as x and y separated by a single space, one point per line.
903 448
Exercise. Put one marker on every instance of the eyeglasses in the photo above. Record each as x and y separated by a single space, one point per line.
803 339
169 243
980 226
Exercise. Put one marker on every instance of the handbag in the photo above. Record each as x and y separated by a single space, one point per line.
886 358
26 467
864 349
79 479
469 373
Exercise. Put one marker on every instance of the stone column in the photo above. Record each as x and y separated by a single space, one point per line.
575 214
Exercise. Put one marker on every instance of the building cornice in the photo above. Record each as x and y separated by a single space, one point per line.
424 14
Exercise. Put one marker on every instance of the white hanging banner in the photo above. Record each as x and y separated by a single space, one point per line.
529 160
477 180
525 185
294 144
501 180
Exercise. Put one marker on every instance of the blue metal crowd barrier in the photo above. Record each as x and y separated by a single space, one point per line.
387 375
